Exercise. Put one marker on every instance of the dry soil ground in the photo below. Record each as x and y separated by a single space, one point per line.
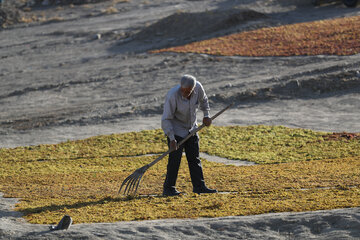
83 72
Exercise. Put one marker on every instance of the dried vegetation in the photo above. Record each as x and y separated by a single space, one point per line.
81 178
327 37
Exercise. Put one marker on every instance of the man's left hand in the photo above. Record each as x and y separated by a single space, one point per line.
207 121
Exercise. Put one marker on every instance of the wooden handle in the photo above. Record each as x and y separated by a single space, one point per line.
203 125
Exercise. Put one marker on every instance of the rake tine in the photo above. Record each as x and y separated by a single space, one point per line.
130 185
138 177
124 183
134 184
126 191
138 184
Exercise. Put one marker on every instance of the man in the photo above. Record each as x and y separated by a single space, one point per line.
178 120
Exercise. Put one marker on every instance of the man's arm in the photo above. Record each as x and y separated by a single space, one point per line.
166 125
168 115
204 106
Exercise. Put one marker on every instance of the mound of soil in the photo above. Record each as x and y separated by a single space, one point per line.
183 25
291 87
325 84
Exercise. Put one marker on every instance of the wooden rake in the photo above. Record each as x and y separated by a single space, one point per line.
132 182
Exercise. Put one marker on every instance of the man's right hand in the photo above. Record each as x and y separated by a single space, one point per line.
173 145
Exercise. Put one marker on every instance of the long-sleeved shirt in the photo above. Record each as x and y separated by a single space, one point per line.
179 116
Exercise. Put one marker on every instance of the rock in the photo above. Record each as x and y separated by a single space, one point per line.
358 74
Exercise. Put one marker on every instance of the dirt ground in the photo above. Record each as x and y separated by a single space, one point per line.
76 71
90 73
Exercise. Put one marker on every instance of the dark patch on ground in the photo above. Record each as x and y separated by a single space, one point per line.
342 136
65 2
185 25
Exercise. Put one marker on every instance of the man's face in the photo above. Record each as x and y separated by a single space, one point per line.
186 92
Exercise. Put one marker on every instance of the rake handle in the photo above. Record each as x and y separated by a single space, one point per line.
185 139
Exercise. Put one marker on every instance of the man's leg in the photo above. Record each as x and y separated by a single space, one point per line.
172 170
195 167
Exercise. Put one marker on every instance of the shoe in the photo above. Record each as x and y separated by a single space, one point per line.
171 192
204 190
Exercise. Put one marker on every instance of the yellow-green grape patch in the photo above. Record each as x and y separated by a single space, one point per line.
304 170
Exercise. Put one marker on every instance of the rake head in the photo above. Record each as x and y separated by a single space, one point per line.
131 183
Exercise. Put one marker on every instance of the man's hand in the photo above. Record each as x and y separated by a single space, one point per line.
173 145
207 121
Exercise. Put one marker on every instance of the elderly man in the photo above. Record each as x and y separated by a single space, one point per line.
178 120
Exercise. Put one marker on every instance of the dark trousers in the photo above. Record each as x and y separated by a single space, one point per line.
191 147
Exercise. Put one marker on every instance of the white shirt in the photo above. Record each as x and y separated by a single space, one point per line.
179 116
